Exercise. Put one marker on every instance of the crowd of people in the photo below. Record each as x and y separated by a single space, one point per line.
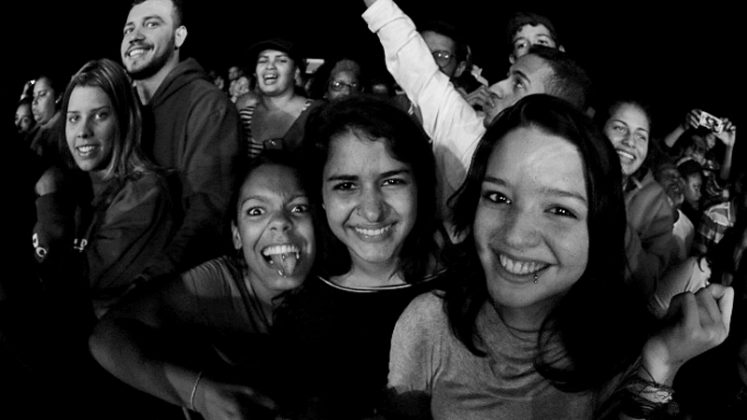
289 244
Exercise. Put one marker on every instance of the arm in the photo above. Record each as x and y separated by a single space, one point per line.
728 136
649 243
150 342
212 155
448 118
135 226
691 121
695 324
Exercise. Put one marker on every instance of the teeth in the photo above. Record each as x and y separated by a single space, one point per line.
284 257
373 232
136 52
625 155
518 267
85 150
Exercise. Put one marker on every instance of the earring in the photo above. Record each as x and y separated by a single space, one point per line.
536 277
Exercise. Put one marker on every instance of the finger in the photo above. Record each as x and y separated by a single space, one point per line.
726 305
683 309
262 399
707 307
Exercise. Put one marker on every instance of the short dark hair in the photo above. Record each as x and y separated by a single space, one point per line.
179 15
522 18
599 304
377 120
569 80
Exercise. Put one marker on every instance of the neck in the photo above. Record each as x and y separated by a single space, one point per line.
146 88
370 275
277 101
528 318
262 296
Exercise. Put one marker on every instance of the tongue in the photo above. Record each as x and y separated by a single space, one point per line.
286 263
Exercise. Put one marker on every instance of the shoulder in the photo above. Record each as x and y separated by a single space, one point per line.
216 277
425 312
648 195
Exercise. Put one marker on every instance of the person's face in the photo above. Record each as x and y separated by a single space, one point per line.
275 72
342 84
370 199
274 230
628 130
24 118
525 77
673 184
43 105
150 38
530 35
694 189
531 220
233 73
444 50
90 128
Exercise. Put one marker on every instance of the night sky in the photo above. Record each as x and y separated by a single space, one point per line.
678 58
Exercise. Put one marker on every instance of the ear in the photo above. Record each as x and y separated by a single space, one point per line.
180 36
235 236
511 58
561 48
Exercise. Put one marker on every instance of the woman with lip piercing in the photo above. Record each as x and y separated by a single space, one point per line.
202 341
536 321
373 181
649 243
99 223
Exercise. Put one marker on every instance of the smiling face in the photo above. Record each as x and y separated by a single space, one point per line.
628 129
151 39
370 199
531 221
525 77
275 72
90 128
43 105
274 230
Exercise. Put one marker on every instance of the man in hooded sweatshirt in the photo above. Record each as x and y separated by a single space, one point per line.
190 126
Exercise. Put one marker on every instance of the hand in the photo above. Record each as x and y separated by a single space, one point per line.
50 181
692 119
698 322
729 134
223 401
481 97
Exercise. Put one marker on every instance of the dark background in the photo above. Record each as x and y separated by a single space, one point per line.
674 56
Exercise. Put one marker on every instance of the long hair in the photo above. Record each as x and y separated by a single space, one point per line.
376 120
598 321
110 77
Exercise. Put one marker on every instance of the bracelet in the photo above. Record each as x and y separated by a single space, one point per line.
194 391
643 397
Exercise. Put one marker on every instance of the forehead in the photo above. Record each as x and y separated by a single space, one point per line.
272 53
530 31
631 114
161 8
41 83
437 41
87 97
344 75
271 178
535 68
356 154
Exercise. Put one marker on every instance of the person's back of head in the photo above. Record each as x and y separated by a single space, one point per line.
569 80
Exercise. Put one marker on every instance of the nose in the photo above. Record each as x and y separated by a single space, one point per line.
280 222
498 89
84 130
372 206
520 230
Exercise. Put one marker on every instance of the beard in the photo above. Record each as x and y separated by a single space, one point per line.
156 63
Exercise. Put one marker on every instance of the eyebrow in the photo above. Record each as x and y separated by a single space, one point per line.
386 174
105 107
545 191
628 125
264 199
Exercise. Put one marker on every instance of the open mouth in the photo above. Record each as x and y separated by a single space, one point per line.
520 268
137 51
86 150
283 258
374 233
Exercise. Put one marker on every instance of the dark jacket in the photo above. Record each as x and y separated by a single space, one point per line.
192 127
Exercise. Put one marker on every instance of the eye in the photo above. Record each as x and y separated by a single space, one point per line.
102 115
255 211
495 197
343 186
543 42
127 30
394 181
519 84
151 24
73 118
300 208
642 138
562 211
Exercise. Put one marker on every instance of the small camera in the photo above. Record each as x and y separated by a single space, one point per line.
710 122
